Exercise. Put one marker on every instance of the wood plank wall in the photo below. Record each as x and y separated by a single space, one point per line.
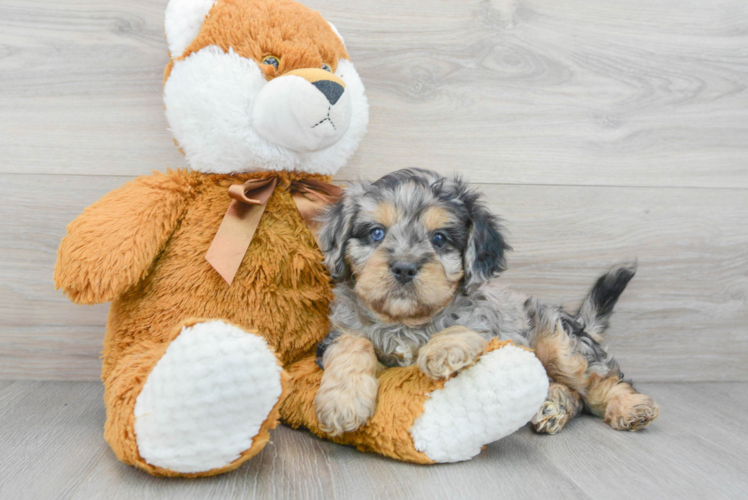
601 130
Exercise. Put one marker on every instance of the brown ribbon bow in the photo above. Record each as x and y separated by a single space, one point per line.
247 205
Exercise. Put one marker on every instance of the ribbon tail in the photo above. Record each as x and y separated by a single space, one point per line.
232 240
237 229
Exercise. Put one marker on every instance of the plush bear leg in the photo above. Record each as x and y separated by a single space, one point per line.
199 404
424 421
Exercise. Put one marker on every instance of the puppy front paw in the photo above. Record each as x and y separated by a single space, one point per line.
450 351
344 407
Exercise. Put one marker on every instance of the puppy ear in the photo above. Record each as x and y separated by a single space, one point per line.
183 21
484 253
335 232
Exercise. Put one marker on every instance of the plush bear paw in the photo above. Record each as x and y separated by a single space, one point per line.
485 402
206 399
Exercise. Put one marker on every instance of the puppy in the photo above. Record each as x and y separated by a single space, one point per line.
415 256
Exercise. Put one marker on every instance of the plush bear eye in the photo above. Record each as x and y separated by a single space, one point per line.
377 234
326 67
439 240
271 60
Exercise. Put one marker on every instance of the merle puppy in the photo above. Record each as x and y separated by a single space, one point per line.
416 256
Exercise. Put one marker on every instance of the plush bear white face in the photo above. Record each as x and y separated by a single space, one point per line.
230 114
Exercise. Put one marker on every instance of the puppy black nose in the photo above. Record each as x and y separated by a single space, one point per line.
404 272
331 90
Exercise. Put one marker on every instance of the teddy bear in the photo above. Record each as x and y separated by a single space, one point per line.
218 290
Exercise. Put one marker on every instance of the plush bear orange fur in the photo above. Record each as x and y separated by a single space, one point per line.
143 247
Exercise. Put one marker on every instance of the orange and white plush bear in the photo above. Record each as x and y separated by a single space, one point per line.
218 291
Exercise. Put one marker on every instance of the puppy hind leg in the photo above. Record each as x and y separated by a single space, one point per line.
607 395
620 405
577 361
567 370
561 405
556 350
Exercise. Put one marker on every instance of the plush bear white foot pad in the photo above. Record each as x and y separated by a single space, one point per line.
484 403
206 398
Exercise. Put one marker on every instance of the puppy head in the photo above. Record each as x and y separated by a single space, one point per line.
411 240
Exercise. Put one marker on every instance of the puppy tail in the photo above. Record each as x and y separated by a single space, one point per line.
594 315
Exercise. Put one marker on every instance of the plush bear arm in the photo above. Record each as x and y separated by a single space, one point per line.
112 244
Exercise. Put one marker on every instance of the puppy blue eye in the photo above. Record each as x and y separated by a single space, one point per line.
438 240
326 67
377 234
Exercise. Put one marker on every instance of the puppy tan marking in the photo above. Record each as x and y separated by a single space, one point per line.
435 286
372 280
553 348
449 351
375 282
436 217
347 396
386 214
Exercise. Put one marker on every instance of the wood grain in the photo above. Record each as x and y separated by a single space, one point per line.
601 130
51 446
582 92
682 318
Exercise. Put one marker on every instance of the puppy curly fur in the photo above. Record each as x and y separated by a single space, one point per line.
449 351
416 257
348 398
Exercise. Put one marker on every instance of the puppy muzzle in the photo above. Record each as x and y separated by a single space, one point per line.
304 110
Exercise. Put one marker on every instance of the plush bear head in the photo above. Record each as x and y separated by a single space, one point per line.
257 85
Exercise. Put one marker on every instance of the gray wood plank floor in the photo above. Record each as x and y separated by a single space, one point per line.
51 447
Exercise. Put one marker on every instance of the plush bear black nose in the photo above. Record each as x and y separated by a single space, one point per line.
404 272
331 90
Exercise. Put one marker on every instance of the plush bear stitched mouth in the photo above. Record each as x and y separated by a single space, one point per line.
303 113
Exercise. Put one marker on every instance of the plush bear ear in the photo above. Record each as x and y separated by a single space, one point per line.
335 30
183 21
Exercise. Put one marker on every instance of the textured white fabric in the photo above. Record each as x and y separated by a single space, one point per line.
209 99
183 21
484 403
291 113
206 398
